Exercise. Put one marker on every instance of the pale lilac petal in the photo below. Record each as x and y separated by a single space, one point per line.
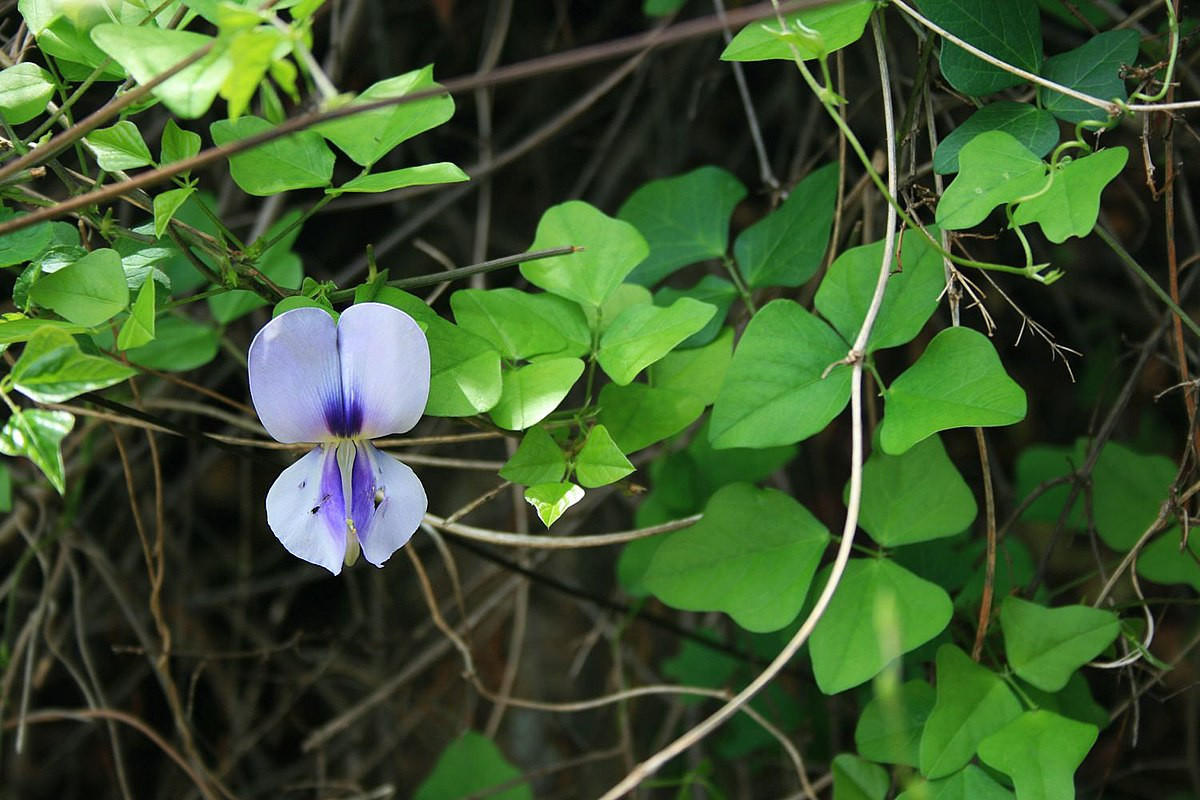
385 369
305 510
401 504
295 376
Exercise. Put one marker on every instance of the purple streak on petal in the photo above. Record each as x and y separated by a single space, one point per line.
305 510
385 369
362 488
402 505
295 376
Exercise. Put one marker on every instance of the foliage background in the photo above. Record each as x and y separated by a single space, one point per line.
289 682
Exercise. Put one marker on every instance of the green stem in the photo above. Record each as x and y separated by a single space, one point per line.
1137 268
1172 57
743 289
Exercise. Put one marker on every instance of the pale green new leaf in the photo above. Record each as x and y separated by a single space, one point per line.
177 143
531 392
993 169
1071 205
37 434
52 369
423 175
119 147
139 327
836 25
551 500
166 204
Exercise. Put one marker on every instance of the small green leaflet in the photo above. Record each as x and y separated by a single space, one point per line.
139 327
914 497
993 169
776 390
835 25
25 89
600 462
760 576
119 147
37 435
972 703
166 204
1071 205
52 369
1035 128
642 334
889 728
1040 751
1046 645
685 220
551 500
88 292
1011 31
958 382
879 612
910 298
785 248
148 51
1093 68
369 136
424 175
538 459
531 392
178 144
297 161
612 248
252 51
471 766
856 778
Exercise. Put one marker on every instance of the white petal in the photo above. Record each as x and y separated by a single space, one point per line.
306 512
401 506
295 376
385 369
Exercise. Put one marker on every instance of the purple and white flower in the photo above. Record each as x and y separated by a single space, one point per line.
340 384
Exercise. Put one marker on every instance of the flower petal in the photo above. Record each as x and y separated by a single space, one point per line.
295 376
306 512
401 505
385 369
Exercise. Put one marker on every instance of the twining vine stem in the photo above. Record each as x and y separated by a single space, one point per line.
856 356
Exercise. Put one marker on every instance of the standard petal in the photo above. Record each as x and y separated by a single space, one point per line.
306 512
400 504
385 369
295 377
